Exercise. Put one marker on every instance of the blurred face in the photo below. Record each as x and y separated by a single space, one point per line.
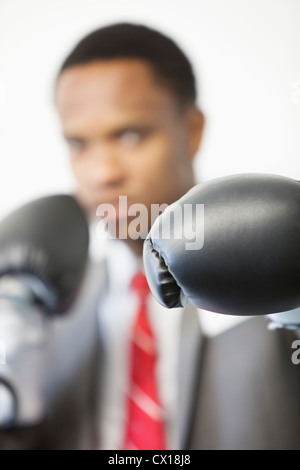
126 135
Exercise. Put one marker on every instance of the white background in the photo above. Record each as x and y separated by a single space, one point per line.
246 56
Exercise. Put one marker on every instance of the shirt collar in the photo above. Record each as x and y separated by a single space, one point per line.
122 264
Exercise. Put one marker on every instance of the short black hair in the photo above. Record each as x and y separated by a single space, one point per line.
127 40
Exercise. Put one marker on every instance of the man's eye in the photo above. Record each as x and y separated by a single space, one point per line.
130 138
76 144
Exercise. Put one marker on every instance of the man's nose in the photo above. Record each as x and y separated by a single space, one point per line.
106 168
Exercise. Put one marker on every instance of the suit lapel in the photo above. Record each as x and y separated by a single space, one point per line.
190 346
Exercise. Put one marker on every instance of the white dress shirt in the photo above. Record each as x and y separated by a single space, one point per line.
117 310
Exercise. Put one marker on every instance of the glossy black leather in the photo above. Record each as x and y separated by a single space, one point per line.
47 241
250 261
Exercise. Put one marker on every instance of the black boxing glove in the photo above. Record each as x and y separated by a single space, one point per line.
246 260
43 252
46 242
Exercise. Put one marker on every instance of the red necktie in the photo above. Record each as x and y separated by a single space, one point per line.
144 428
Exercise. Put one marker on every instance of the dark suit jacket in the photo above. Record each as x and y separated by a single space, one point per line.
248 391
243 391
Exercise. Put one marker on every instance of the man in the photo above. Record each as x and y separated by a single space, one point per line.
127 102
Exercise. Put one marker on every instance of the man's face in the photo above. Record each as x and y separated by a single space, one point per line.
126 134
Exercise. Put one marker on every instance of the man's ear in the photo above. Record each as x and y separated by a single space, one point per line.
195 126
